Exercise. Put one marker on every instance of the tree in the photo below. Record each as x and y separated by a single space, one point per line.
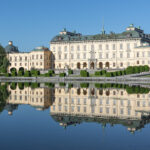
4 63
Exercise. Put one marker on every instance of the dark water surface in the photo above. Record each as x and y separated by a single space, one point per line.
114 118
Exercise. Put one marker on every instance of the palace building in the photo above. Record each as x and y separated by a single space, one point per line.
39 58
109 106
101 51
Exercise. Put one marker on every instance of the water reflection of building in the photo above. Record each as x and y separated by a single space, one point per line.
40 98
114 106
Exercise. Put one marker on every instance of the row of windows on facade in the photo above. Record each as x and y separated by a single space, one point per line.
100 47
103 55
31 64
26 58
107 102
15 97
102 65
106 110
31 92
101 92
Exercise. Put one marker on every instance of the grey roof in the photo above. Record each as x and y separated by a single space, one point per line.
11 49
72 36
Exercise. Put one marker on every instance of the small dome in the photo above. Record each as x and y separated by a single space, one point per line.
10 48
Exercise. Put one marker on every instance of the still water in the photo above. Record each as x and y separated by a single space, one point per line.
74 117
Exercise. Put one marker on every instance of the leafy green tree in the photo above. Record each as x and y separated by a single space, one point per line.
4 63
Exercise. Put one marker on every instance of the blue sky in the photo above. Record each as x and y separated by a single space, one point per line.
31 23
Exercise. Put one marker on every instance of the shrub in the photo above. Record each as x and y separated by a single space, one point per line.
35 72
62 84
98 73
103 72
8 75
20 73
51 72
70 85
84 85
84 73
70 71
13 69
109 74
21 85
27 84
13 73
146 68
35 85
62 74
13 86
50 85
27 74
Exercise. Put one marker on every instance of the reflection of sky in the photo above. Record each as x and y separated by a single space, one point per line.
28 129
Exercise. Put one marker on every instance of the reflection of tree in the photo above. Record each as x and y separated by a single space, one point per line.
3 96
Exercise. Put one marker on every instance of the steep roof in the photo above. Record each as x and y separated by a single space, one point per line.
131 32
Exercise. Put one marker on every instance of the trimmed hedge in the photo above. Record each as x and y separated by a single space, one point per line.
62 74
70 71
84 73
27 74
84 85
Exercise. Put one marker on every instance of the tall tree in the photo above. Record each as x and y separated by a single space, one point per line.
4 63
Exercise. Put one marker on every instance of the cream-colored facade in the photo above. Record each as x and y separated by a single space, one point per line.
40 98
109 51
100 103
39 58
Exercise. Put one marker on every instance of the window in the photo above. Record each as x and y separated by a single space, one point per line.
72 101
114 102
41 57
78 47
78 56
26 58
92 47
107 110
114 55
101 110
100 47
128 46
100 55
114 110
53 49
107 101
78 108
65 108
114 64
107 47
32 56
66 100
84 101
114 46
143 54
121 111
59 48
36 56
84 109
128 55
72 108
121 64
10 58
72 56
84 47
65 48
121 55
137 54
135 44
78 101
65 56
148 54
84 55
59 56
72 48
107 55
121 46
